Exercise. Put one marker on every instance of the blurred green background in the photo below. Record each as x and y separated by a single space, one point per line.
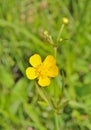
22 24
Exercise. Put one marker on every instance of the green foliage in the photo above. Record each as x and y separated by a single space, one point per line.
22 24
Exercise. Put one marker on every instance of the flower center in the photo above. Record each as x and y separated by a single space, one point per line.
41 71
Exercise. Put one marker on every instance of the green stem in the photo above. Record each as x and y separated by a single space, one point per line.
56 121
55 87
41 93
62 93
55 93
55 51
60 32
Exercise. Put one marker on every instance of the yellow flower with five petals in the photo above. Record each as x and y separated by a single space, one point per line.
43 71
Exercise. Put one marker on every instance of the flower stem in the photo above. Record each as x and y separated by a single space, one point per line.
55 87
41 93
55 93
60 32
56 121
55 51
62 93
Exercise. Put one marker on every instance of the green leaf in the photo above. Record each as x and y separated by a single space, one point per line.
18 95
42 103
6 78
33 115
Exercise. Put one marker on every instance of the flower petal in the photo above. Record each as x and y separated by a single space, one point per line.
49 61
30 72
35 60
53 71
44 81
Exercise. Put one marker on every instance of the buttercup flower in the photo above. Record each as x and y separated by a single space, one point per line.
43 71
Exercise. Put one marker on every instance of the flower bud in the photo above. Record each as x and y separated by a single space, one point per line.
46 33
61 39
65 20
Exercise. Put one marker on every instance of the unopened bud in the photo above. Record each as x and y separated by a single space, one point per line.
65 20
46 33
61 39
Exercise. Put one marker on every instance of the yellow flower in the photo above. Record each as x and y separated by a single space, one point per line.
43 71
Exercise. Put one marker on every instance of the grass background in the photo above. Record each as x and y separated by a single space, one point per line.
21 27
